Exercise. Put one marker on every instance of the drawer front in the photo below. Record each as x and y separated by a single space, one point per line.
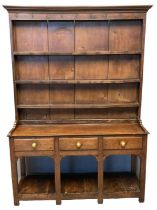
122 142
34 144
83 143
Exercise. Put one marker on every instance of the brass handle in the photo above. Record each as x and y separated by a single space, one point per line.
78 145
123 144
34 145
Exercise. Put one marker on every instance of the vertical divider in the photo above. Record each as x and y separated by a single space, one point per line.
49 85
108 58
57 171
74 70
143 27
23 167
108 47
133 163
100 170
12 42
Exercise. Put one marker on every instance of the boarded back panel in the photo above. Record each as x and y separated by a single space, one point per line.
91 36
106 113
125 35
61 36
124 67
61 67
62 94
62 114
30 36
30 94
92 94
34 114
123 93
32 68
91 67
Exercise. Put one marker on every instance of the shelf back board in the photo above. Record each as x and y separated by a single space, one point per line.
70 66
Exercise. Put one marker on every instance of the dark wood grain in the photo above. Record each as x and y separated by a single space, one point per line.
125 35
71 106
41 144
14 173
32 94
61 36
91 32
78 129
76 81
36 184
77 75
31 68
91 67
61 68
26 36
119 184
133 8
88 143
115 142
119 63
79 183
94 52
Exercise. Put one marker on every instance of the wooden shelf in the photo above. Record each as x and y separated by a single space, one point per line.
107 81
78 53
37 186
72 121
114 183
77 84
79 106
77 184
86 183
72 129
123 184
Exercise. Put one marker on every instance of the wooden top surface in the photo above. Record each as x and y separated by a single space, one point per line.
78 129
142 8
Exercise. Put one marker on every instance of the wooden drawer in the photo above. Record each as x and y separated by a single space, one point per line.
122 142
78 143
34 144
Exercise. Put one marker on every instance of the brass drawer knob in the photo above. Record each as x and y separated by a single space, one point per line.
123 144
34 145
78 145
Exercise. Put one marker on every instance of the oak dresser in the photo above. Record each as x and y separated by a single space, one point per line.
77 75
